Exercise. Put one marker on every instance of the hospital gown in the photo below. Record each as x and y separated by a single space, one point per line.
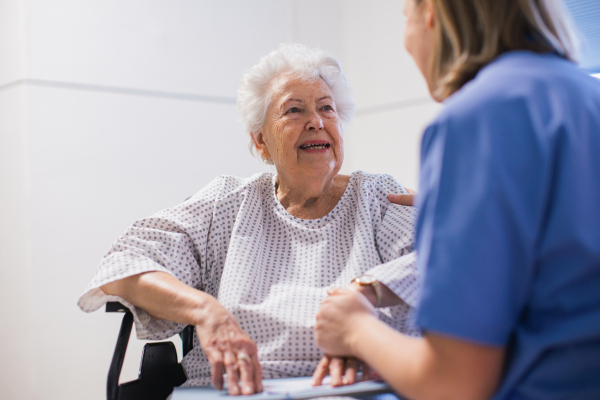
235 241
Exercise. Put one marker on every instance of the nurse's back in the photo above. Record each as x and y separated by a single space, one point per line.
534 122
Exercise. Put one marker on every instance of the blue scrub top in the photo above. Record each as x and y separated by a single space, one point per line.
508 233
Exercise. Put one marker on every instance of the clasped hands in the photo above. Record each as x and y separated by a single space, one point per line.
231 351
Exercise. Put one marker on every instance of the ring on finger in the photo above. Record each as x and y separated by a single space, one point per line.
244 357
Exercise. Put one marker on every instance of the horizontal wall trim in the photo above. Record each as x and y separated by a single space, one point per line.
120 90
419 101
191 97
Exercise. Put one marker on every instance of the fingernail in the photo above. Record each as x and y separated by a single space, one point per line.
247 389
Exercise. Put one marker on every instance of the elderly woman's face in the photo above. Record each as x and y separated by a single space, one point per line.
302 133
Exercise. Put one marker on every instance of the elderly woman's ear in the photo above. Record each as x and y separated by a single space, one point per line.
260 145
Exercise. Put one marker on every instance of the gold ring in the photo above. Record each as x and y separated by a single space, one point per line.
244 357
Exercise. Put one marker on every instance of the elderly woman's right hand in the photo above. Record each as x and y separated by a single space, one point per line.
229 350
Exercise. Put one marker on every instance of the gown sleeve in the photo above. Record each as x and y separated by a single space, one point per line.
394 238
172 241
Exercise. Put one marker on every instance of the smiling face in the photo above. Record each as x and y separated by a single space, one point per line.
302 133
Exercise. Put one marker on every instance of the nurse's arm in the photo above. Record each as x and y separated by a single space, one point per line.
432 367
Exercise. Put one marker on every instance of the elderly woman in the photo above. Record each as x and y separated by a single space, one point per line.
248 261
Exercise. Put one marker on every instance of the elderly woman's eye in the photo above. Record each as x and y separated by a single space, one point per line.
327 108
294 110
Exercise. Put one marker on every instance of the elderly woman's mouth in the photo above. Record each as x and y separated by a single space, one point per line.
315 146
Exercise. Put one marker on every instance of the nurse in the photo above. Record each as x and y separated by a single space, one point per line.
508 232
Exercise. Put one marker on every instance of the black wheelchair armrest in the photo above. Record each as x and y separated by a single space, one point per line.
114 372
159 370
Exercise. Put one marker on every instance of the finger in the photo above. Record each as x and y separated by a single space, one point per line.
410 191
402 199
245 366
333 291
257 374
375 375
215 358
321 371
367 372
336 369
352 365
232 373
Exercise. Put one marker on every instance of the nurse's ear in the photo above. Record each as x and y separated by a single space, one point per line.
429 14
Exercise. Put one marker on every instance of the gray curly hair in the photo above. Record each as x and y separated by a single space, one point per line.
255 91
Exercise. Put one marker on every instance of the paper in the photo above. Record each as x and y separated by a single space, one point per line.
286 389
292 385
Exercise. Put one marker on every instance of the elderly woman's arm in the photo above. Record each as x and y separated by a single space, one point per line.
163 296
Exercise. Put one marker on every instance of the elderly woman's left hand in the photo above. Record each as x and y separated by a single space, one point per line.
343 371
339 315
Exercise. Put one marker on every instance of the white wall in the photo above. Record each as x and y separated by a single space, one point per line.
393 103
111 110
16 335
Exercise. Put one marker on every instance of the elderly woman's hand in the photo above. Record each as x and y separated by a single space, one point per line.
403 199
343 371
229 350
337 319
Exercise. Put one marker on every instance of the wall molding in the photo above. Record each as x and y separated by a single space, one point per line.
119 90
360 112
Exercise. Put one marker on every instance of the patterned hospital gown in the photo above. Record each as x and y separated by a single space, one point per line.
235 241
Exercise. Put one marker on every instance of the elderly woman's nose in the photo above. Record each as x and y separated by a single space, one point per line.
315 123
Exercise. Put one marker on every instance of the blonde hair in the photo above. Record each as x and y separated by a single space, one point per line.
471 33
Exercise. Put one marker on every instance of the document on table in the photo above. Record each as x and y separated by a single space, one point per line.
286 389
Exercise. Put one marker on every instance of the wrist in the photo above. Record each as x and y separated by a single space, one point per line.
361 333
370 287
366 291
205 310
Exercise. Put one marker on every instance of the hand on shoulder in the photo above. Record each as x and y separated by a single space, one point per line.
403 199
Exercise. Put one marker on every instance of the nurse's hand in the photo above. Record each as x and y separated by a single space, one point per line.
229 350
339 315
403 199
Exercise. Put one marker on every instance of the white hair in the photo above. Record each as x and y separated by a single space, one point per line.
255 91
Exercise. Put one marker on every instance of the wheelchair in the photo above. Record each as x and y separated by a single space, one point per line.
159 370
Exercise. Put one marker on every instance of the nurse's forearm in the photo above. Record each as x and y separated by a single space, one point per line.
163 296
433 367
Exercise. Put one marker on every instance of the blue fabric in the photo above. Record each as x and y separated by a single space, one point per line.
508 233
